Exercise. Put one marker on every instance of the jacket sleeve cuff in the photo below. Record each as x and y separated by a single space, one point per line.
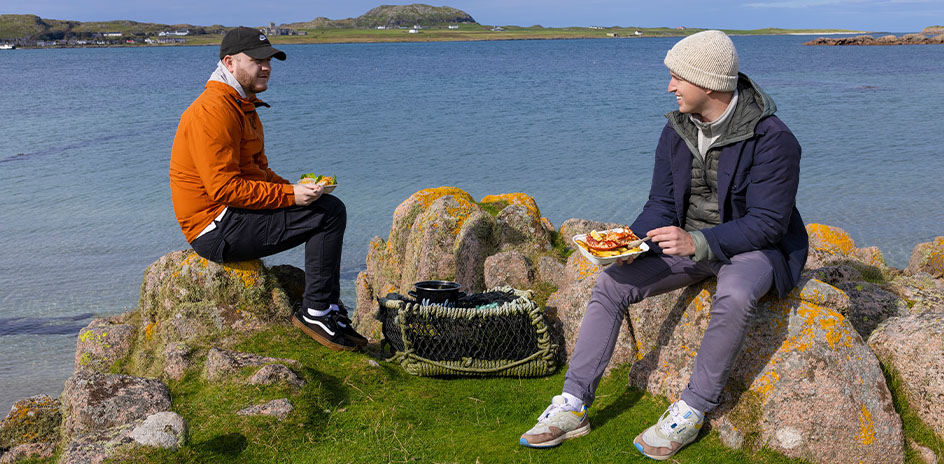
702 250
289 191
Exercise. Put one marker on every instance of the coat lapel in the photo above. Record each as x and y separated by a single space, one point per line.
727 163
681 177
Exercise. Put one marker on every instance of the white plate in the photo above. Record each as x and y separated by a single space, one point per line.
644 247
329 188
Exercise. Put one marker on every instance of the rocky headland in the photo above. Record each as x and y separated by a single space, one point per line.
826 361
907 39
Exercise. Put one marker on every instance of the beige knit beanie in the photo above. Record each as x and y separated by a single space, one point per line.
707 59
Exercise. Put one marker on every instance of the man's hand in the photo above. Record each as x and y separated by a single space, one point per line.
306 194
673 241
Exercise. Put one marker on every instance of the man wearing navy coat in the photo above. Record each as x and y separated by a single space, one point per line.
722 204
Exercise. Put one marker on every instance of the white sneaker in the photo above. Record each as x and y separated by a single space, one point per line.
677 427
559 422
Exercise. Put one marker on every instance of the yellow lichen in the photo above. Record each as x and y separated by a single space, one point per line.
764 384
832 239
149 331
426 197
516 198
249 272
866 434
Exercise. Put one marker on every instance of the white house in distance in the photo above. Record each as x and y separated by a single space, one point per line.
453 26
112 34
172 33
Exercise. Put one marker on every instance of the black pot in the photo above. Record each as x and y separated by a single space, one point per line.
436 291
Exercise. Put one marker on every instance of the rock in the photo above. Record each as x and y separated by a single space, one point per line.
221 363
928 257
93 402
836 274
930 30
176 360
162 430
914 346
363 318
921 292
938 39
519 227
907 39
428 254
102 343
26 451
576 226
566 307
372 363
276 373
926 455
508 268
801 364
870 305
187 299
443 234
280 409
32 420
550 270
291 279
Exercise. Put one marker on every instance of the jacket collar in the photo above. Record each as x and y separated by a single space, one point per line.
230 92
753 104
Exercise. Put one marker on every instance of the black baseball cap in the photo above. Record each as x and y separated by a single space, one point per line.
249 41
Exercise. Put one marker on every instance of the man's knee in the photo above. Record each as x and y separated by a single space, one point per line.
331 206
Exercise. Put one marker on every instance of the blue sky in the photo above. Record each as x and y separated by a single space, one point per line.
864 15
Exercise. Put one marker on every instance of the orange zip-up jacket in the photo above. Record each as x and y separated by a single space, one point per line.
218 160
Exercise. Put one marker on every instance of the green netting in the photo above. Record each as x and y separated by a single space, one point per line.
502 332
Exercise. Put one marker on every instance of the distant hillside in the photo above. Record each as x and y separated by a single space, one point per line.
394 16
35 28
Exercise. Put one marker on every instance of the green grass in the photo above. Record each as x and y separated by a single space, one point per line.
912 426
351 412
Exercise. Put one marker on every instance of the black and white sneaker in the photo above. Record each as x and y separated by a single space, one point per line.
324 329
344 323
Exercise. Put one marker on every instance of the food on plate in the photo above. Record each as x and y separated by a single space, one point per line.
608 243
312 178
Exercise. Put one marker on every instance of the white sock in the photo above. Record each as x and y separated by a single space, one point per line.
316 313
684 406
573 401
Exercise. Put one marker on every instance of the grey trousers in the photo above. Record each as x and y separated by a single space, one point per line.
740 285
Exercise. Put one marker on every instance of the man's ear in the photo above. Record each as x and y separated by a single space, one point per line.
230 62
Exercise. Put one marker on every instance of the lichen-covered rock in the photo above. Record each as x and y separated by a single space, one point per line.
92 401
166 430
802 374
576 226
831 246
926 454
276 374
26 451
520 228
914 346
550 270
363 318
920 291
443 234
928 257
220 363
188 299
508 268
102 343
32 420
280 409
567 306
176 360
291 279
870 305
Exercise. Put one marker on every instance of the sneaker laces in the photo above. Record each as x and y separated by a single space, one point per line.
676 419
555 407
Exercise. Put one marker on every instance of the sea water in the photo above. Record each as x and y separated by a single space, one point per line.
86 137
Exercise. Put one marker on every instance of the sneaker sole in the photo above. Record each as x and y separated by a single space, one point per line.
556 441
314 335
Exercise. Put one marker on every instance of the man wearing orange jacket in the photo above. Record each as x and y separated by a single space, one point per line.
232 207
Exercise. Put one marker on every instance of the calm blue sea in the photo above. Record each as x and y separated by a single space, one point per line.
86 136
